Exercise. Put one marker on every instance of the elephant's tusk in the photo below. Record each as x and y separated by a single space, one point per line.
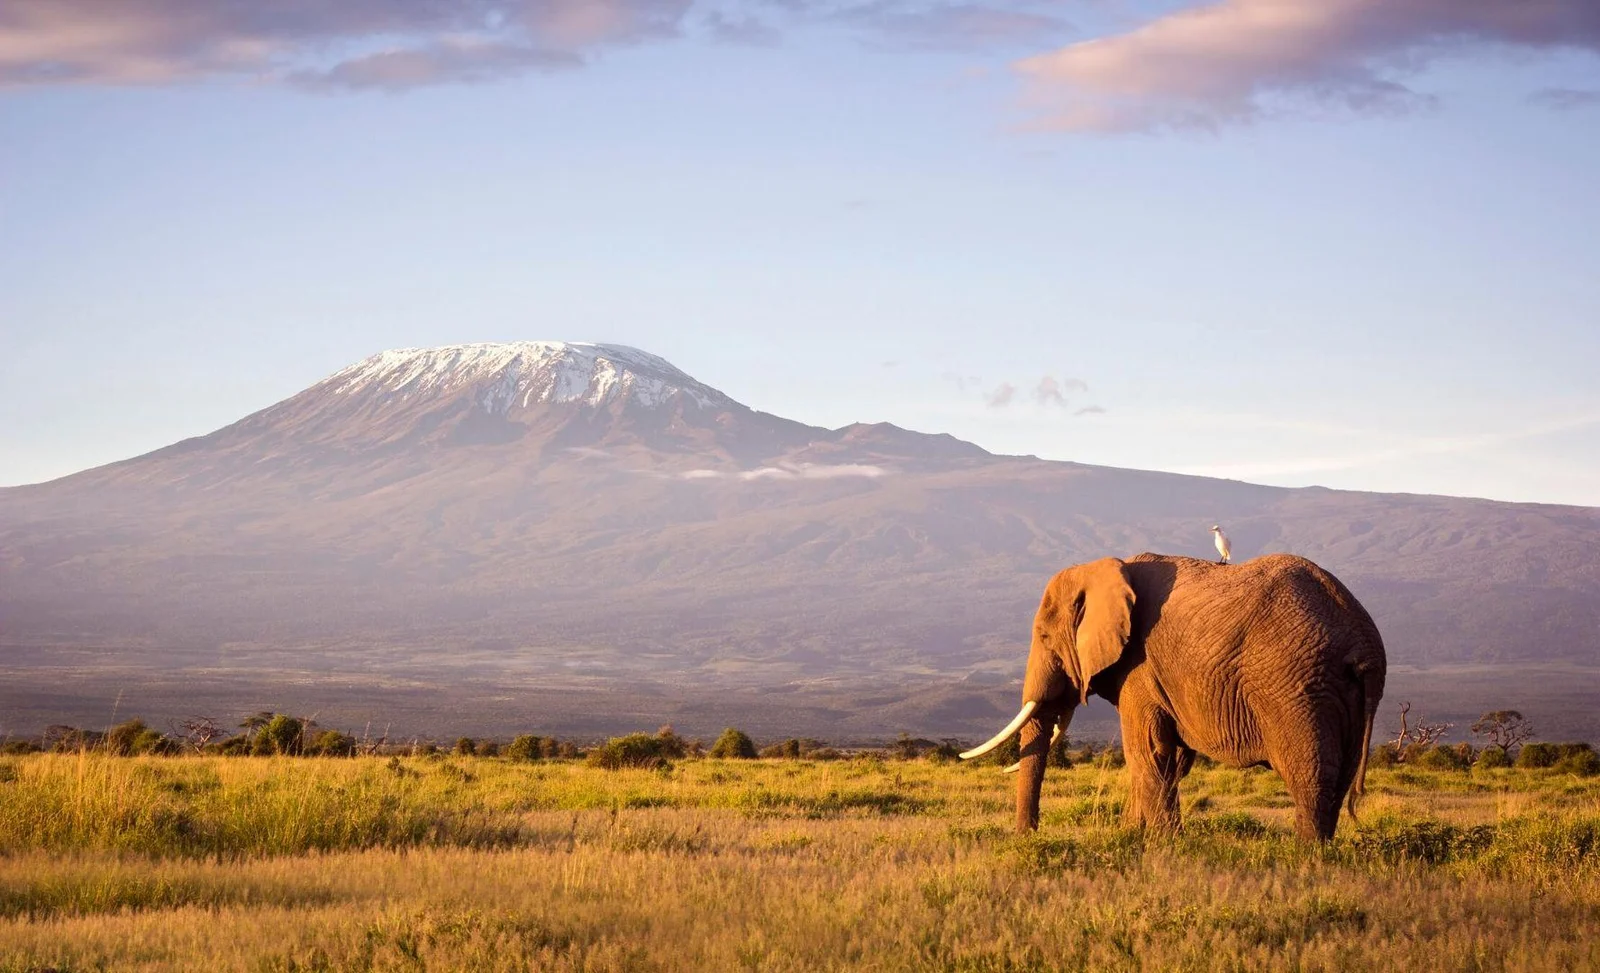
1005 734
1054 736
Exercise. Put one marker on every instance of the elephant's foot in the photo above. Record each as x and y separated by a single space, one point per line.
1154 813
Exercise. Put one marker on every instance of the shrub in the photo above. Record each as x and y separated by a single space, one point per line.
465 747
1008 752
1536 755
787 750
945 752
1492 757
1432 842
733 744
525 747
633 750
236 746
282 735
133 737
1059 756
909 748
1579 759
331 743
1111 757
1383 755
673 746
16 748
488 748
69 739
1441 758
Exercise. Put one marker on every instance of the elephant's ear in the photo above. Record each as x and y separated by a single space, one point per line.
1105 618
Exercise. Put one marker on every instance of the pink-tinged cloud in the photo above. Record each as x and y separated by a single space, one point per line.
359 43
1002 396
1237 60
450 60
1053 391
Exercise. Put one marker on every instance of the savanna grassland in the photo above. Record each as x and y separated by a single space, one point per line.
472 863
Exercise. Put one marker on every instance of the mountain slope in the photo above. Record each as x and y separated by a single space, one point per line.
549 516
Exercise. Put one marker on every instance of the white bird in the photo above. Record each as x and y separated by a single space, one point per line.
1223 547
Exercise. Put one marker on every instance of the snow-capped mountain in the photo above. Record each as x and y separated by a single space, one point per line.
519 374
541 400
550 520
538 393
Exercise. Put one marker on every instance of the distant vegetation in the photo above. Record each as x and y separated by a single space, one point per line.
1506 734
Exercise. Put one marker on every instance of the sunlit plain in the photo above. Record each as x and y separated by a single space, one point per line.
450 863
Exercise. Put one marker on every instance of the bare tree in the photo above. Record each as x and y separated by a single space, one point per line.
198 731
367 746
1404 736
1426 734
1505 728
1416 737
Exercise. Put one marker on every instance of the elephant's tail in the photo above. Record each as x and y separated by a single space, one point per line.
1369 680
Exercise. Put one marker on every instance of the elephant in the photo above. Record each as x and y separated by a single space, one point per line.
1269 662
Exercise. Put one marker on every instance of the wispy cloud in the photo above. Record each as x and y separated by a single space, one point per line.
1049 392
795 471
1389 451
733 28
1566 99
962 382
963 26
350 43
1237 60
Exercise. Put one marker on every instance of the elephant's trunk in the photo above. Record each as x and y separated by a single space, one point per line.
1036 739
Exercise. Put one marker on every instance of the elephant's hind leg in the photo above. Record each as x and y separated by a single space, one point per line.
1156 761
1314 772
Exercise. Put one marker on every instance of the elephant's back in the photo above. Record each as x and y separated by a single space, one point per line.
1282 575
1269 597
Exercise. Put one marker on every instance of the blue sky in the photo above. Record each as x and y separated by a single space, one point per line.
1327 246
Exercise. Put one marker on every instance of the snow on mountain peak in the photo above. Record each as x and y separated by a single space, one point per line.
517 374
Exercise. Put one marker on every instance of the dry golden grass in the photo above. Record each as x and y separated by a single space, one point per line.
478 864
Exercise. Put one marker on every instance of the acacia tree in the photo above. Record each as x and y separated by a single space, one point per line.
1504 728
256 721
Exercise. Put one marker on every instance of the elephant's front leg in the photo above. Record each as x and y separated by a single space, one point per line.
1156 762
1035 747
